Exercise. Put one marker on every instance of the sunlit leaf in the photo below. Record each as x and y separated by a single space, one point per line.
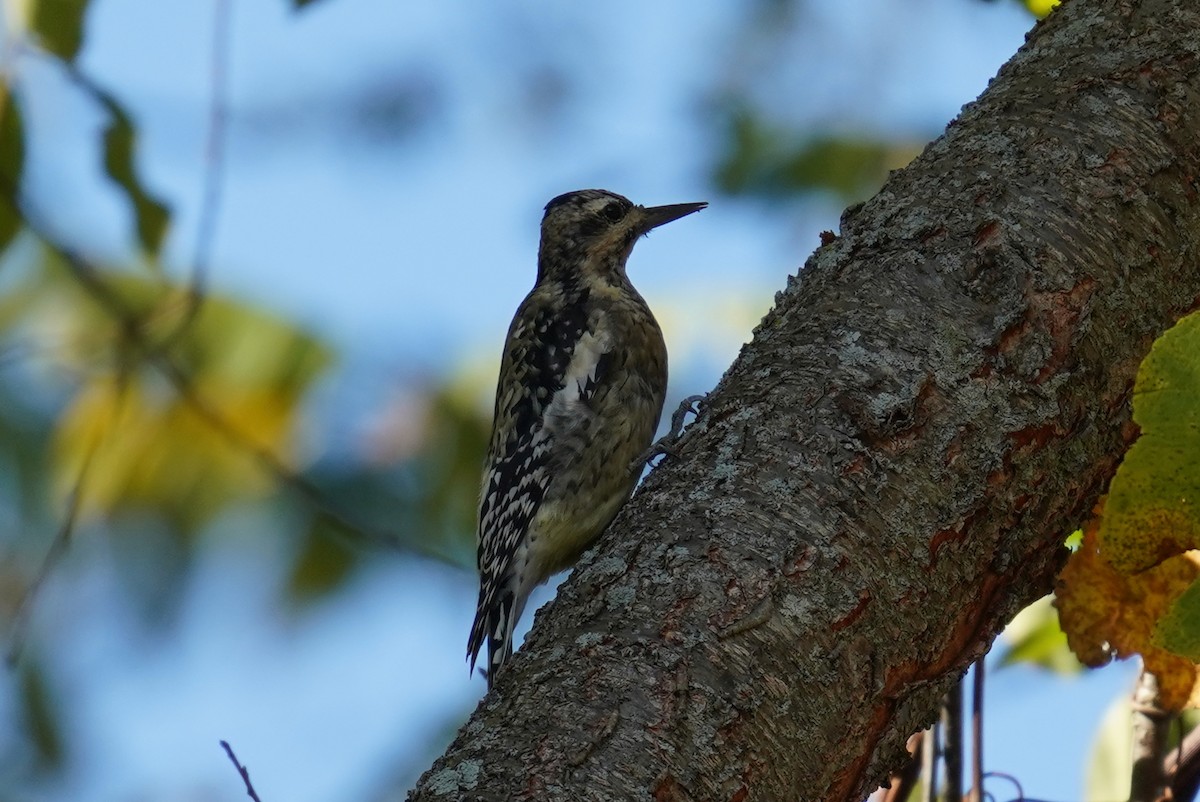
1041 8
185 455
1035 637
1108 614
1128 589
1153 506
59 24
12 162
151 215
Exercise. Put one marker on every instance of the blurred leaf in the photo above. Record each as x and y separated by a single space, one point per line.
12 163
300 4
1106 613
324 564
40 718
59 24
1110 761
417 485
1153 506
120 144
1034 636
759 160
1041 8
157 449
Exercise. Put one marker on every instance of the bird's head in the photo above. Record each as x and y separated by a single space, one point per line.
593 231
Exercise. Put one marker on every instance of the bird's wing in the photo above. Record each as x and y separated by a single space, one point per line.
551 369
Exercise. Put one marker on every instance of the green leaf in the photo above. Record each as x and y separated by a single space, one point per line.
1178 631
1153 507
120 143
41 718
1035 636
59 24
770 162
324 564
12 162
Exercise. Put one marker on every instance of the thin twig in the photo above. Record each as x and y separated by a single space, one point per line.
955 744
214 173
977 774
133 331
242 770
266 457
930 749
62 538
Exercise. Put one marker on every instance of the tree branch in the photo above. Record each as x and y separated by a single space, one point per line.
1150 724
891 465
241 770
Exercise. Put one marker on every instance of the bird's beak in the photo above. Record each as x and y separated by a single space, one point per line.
655 216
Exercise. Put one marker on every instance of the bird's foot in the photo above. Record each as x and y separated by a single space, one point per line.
667 444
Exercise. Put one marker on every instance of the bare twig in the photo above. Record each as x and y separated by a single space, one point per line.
242 770
62 539
930 749
977 775
132 328
214 174
955 743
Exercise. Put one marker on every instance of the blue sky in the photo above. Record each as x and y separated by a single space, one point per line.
410 254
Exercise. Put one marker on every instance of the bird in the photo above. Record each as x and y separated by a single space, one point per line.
583 377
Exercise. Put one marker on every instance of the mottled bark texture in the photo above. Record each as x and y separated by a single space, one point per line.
886 473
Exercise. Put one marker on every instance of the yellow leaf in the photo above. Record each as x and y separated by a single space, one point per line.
1108 614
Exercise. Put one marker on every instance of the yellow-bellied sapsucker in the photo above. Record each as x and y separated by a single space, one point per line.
582 382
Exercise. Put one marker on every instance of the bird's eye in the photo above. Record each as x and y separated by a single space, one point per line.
613 212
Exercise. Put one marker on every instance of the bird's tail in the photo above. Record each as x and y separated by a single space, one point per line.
495 617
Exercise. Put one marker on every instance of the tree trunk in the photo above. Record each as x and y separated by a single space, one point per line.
887 472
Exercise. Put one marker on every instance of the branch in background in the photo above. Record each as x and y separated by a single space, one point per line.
977 775
242 770
214 174
133 333
929 764
58 547
1182 767
272 463
952 724
1150 723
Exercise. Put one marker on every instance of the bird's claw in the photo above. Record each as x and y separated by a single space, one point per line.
667 444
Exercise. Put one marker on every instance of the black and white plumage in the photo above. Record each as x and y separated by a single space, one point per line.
582 382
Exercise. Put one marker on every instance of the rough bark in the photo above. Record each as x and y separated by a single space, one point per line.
886 473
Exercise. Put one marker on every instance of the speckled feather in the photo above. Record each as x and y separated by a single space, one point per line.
582 382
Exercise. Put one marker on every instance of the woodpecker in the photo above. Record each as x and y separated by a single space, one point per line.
583 377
